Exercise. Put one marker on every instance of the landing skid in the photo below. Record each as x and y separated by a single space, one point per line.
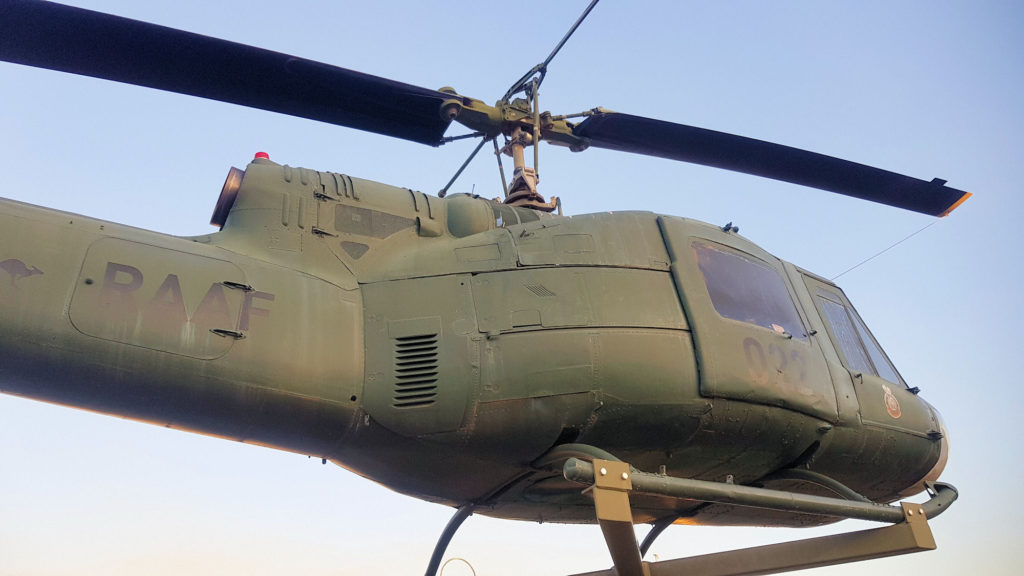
611 483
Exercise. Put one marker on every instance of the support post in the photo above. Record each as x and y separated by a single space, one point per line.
611 500
464 511
656 529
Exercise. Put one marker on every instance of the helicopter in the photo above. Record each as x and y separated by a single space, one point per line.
217 292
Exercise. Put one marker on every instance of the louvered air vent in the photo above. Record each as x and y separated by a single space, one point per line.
416 371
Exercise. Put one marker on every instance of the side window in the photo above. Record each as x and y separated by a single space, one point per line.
746 289
858 347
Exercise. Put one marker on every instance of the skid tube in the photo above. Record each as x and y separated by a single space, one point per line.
611 482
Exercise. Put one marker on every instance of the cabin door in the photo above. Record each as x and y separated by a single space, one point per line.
751 339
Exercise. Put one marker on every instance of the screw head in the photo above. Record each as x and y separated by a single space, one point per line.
625 476
604 471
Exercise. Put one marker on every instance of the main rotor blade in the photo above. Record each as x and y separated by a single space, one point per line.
69 39
701 146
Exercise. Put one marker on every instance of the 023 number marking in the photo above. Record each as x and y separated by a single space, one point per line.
774 363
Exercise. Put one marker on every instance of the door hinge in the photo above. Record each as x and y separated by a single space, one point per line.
237 286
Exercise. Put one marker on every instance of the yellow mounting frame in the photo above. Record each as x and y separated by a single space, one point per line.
612 484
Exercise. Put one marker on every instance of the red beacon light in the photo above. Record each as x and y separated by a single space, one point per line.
261 155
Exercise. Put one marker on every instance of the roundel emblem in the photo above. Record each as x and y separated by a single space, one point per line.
892 405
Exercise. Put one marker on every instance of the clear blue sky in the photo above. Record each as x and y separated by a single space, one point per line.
930 89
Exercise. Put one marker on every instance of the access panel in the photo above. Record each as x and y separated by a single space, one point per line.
162 299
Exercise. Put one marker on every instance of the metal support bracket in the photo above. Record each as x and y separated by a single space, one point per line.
911 535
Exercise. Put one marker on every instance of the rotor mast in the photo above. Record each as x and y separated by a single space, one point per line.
522 124
523 190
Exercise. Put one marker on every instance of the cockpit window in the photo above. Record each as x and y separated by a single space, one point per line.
845 335
746 289
858 347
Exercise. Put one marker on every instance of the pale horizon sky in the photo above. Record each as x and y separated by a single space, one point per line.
925 88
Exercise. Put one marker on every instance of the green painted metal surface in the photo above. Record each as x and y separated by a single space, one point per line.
441 346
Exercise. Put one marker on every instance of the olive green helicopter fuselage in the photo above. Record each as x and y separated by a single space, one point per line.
442 347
